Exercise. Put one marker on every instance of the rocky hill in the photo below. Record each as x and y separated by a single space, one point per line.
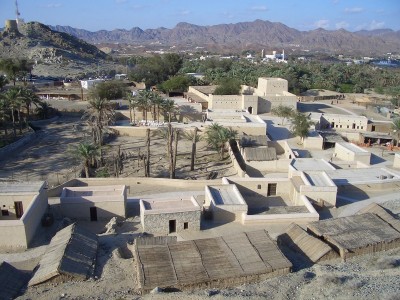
38 42
246 34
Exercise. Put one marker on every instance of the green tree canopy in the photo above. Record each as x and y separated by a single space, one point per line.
14 68
109 90
178 83
283 112
228 86
156 69
218 136
300 126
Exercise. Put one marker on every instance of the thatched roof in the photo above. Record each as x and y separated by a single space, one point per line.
253 141
71 252
381 213
11 281
356 234
298 239
222 260
260 154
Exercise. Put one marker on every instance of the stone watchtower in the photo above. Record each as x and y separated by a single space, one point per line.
11 27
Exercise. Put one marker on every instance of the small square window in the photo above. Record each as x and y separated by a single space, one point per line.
186 225
259 187
4 212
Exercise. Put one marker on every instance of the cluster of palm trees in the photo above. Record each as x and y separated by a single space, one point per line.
150 101
15 107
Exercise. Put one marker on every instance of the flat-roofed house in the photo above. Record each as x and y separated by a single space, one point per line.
94 202
165 216
23 205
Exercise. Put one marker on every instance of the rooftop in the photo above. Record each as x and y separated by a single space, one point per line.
353 148
156 206
361 176
21 187
318 178
311 164
227 194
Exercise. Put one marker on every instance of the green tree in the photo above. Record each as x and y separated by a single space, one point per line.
168 106
300 126
228 86
13 98
99 115
218 136
44 109
87 154
176 84
15 68
143 100
283 112
3 82
132 104
109 90
29 98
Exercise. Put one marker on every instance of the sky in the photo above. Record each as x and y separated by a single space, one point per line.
304 15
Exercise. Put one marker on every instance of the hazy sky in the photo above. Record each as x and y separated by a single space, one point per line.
124 14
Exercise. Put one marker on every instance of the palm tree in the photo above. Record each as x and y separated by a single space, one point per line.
44 109
4 112
87 154
169 107
143 102
99 115
157 101
194 137
14 99
217 136
29 98
132 104
300 125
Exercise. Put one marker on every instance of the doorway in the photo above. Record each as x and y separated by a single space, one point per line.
250 109
93 214
172 226
271 189
19 209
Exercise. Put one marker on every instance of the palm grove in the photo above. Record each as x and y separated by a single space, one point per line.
168 74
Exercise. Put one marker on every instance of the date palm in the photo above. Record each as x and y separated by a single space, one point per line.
87 155
217 136
132 104
99 115
14 99
195 138
169 107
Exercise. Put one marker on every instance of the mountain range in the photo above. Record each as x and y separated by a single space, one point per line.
245 35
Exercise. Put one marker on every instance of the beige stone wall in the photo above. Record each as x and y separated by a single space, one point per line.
346 154
279 165
19 233
33 214
159 223
345 122
225 102
271 86
316 142
81 211
198 93
396 161
250 102
12 234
